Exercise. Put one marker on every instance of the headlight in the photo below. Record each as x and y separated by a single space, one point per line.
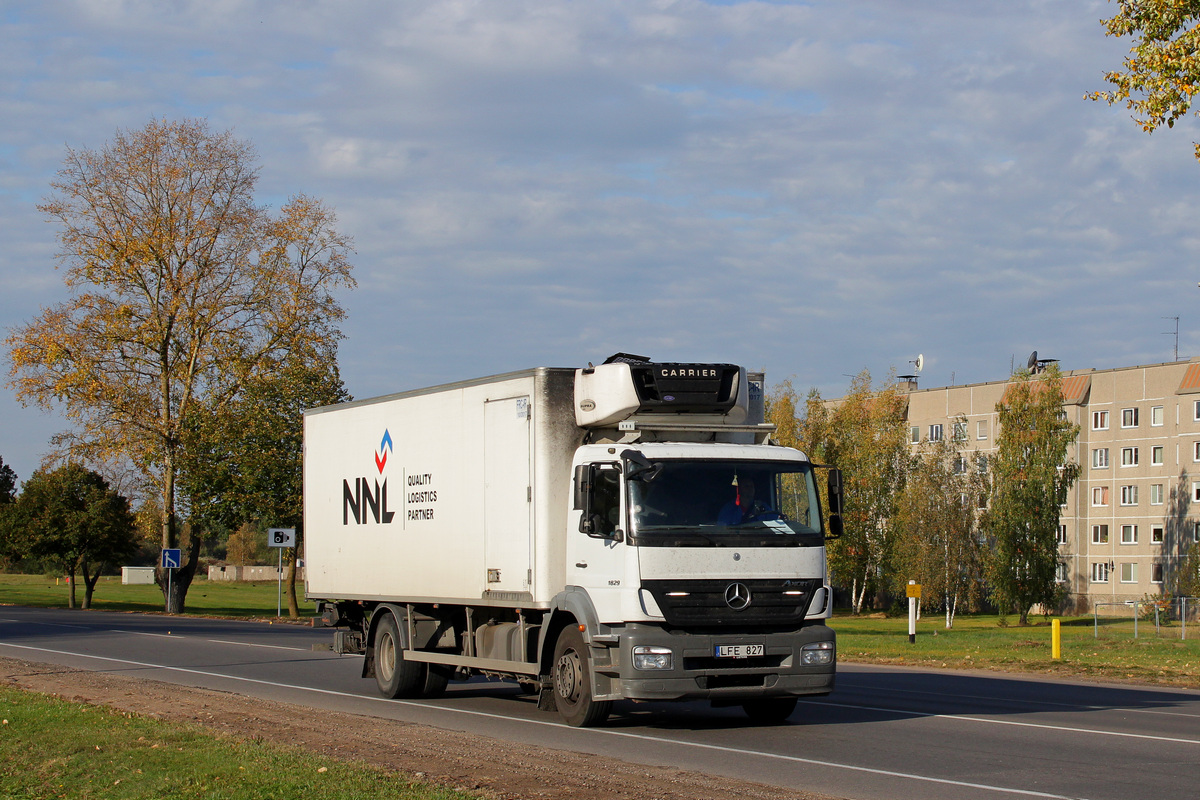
816 654
648 657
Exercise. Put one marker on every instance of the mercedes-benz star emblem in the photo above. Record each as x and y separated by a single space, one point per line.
737 596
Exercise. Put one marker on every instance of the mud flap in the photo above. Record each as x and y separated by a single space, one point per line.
546 701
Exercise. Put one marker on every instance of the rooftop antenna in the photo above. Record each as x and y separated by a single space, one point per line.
919 363
1168 333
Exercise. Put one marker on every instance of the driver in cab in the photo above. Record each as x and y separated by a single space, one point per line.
745 506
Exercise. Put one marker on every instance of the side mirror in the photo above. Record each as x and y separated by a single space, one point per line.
836 504
585 475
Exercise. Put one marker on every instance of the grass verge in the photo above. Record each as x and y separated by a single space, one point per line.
982 642
51 748
240 599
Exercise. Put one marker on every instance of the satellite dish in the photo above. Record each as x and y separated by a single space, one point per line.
920 362
1032 363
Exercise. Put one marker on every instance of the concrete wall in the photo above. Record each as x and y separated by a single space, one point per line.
239 573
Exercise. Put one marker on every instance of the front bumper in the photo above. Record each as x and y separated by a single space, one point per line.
697 674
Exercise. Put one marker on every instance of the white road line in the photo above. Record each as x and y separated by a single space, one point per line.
987 720
594 731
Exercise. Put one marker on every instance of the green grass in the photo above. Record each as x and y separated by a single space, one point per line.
981 642
251 599
55 749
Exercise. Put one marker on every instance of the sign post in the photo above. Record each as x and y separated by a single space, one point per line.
914 597
172 559
280 538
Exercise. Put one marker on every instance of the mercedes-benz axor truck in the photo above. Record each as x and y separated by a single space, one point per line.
623 531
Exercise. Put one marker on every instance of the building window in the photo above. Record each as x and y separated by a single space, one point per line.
1196 491
1156 572
1060 572
914 434
1195 451
1196 412
1156 416
1100 420
1061 538
1156 455
1099 534
960 465
1128 573
1129 534
1156 494
981 429
1156 534
1129 417
1100 572
935 433
1129 456
960 431
1100 495
1129 495
1196 531
1099 458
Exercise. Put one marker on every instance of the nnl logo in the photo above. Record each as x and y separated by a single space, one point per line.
362 501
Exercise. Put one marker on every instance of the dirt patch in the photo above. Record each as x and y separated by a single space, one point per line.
493 769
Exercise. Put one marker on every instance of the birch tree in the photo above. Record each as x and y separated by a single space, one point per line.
1031 475
937 531
181 288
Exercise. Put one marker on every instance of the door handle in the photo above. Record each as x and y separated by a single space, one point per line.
581 564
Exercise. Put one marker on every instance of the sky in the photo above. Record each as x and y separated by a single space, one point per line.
808 188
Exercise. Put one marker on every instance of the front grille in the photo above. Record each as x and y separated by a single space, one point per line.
702 603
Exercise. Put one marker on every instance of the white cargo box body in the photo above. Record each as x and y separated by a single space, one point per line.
457 493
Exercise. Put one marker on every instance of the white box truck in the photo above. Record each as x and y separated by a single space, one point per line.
620 531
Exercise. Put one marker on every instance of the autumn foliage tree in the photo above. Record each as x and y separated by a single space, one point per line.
1031 475
182 289
937 526
1162 71
865 436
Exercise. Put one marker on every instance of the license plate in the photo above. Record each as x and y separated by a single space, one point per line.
738 650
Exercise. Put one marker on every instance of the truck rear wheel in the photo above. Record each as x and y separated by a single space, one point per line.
395 676
573 682
769 710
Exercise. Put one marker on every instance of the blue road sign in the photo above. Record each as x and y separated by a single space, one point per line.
171 558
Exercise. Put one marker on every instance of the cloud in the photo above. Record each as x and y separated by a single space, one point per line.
811 188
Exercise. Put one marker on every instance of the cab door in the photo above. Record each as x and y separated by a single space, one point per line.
596 562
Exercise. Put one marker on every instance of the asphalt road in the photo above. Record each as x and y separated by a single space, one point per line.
886 733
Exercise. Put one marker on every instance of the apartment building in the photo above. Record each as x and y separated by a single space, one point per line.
1135 510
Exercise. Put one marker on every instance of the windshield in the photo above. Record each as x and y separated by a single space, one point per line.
719 502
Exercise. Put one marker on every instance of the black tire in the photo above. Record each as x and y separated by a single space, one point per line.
395 676
573 682
434 680
770 710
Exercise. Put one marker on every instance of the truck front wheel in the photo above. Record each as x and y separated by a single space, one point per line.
395 676
573 682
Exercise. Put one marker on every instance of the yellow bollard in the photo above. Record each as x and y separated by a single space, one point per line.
1056 639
